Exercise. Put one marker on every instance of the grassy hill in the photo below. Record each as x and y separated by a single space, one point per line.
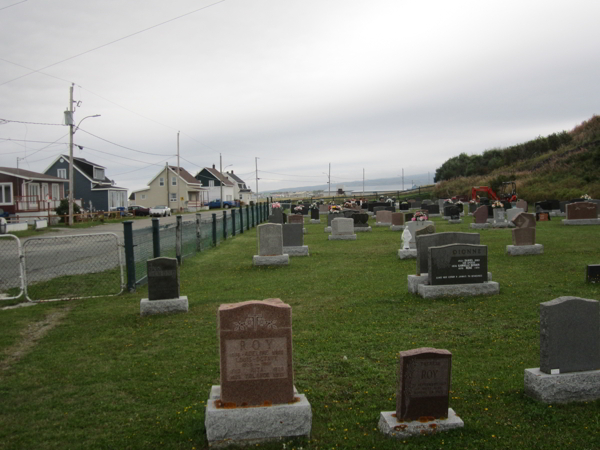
561 166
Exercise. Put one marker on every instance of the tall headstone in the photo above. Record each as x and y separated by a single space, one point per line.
481 214
163 288
569 352
424 242
523 237
270 246
256 399
293 240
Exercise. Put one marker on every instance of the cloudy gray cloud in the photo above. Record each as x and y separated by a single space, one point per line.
381 85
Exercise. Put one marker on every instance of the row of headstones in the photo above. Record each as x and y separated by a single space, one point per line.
256 369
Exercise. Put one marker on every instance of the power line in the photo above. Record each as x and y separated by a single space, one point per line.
81 147
14 4
142 168
5 121
122 146
112 42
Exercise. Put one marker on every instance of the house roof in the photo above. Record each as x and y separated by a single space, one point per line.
28 174
185 175
86 168
219 176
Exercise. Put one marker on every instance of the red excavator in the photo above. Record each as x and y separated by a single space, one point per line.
508 192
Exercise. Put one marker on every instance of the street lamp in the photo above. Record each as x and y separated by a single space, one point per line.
72 131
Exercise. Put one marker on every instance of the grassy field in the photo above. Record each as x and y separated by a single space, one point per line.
94 374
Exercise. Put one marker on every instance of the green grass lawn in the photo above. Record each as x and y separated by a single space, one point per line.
105 378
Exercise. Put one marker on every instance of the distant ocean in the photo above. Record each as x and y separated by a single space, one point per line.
377 188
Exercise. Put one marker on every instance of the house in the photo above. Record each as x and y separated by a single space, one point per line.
29 194
242 191
213 180
91 185
164 187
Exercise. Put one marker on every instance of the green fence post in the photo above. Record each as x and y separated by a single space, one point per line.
155 237
129 255
214 229
241 220
178 239
252 208
232 222
224 225
198 233
247 217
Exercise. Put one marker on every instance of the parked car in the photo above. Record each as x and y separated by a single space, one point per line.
138 210
226 204
161 210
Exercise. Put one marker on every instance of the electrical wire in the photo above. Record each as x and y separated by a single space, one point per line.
81 147
5 121
113 42
142 168
122 146
14 4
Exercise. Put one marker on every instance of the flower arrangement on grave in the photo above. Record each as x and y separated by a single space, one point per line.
299 202
276 205
335 209
458 202
587 197
298 210
314 206
472 201
497 204
419 216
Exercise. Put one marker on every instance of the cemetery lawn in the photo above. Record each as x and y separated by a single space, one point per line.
93 374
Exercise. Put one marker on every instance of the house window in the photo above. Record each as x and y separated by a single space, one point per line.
5 193
33 190
45 192
173 181
143 196
55 192
211 183
161 181
61 173
173 196
98 173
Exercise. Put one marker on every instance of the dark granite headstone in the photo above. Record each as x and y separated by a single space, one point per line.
457 264
314 214
490 211
424 242
447 210
569 335
332 216
255 339
276 216
473 207
423 384
432 209
593 273
293 235
408 217
454 212
361 220
163 279
481 214
404 206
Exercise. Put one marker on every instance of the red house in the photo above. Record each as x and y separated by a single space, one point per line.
29 194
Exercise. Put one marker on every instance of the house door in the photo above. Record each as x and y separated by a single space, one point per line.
33 195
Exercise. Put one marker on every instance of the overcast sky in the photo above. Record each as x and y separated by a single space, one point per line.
379 85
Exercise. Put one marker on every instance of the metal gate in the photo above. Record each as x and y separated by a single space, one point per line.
72 267
12 283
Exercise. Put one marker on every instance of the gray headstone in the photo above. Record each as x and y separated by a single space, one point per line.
342 226
438 240
512 213
293 236
457 264
163 279
569 335
419 227
499 215
270 239
276 216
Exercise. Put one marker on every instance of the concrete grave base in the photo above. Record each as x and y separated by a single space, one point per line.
580 221
519 250
397 227
434 215
413 281
408 253
244 426
459 290
315 221
370 213
279 260
327 229
303 230
389 425
479 226
383 224
362 229
342 237
557 213
300 250
172 305
454 221
562 388
499 225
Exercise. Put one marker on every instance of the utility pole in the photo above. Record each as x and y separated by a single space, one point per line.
71 121
402 178
220 180
329 179
256 174
363 182
178 176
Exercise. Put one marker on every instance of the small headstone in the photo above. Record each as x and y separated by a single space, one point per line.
255 339
433 209
276 216
384 217
295 218
404 206
361 220
569 335
512 213
593 273
270 239
582 210
332 216
323 209
542 216
481 214
314 214
523 236
473 207
423 384
417 228
342 226
397 218
522 204
457 264
524 220
454 212
293 235
163 278
499 215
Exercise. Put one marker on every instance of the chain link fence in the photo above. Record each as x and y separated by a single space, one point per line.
12 282
70 267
